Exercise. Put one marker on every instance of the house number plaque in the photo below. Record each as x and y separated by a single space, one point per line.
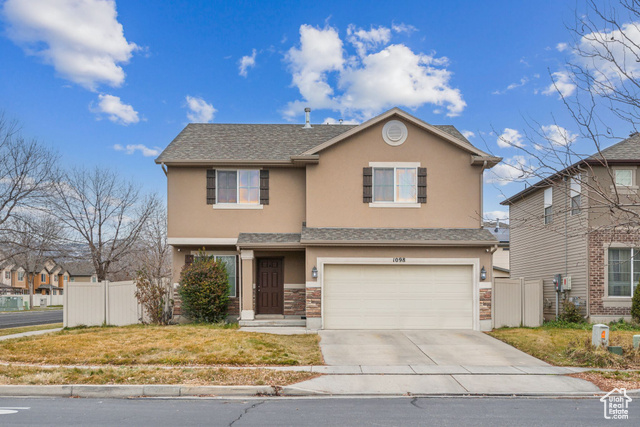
402 259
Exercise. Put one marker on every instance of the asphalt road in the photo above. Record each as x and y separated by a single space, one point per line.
30 318
408 411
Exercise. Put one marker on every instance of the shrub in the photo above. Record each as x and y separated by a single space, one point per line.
635 304
152 296
570 313
204 289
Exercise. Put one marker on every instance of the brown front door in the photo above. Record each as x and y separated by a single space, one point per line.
270 292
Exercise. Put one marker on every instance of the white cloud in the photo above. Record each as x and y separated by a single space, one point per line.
562 86
403 28
116 110
468 134
523 81
199 110
557 135
493 215
376 79
365 41
246 62
510 138
509 170
82 39
561 47
146 151
332 121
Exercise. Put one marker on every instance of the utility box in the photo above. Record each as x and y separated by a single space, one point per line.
566 283
600 335
43 302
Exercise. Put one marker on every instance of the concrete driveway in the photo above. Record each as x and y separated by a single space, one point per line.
420 348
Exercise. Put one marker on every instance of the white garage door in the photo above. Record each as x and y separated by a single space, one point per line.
398 297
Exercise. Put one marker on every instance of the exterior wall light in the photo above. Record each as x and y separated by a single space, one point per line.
314 272
483 273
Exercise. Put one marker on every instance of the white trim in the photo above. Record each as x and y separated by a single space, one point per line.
294 285
174 241
395 168
213 253
486 285
237 171
474 262
393 205
313 285
246 255
394 164
238 206
403 129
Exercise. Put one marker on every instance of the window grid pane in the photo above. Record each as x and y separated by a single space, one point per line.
249 186
620 272
575 205
383 185
227 187
406 185
230 265
623 177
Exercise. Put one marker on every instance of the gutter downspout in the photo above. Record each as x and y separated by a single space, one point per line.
484 166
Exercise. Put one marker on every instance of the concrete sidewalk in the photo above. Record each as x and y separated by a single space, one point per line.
28 334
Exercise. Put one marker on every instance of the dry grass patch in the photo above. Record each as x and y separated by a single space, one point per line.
12 331
607 381
570 347
163 345
26 375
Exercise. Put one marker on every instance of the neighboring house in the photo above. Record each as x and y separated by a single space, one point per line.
374 226
501 255
80 271
562 226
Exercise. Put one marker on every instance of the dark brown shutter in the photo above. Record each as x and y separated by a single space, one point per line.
422 185
211 186
367 181
188 259
264 186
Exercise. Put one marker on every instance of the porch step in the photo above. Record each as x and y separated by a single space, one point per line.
261 323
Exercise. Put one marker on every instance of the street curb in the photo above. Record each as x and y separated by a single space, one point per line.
173 391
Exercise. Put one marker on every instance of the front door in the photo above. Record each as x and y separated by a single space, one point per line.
270 292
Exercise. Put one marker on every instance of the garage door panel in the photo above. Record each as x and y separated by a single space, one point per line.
398 297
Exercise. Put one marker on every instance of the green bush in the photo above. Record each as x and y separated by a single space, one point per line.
635 304
570 313
204 289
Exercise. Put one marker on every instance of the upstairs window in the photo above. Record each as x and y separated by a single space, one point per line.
548 205
21 276
7 275
238 186
397 185
575 196
623 177
43 278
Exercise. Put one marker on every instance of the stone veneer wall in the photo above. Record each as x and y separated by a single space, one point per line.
314 298
294 302
598 242
485 304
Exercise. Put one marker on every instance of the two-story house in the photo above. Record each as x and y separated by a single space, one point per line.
582 224
370 226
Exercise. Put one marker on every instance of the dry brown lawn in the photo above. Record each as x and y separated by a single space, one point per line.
20 330
607 381
163 345
570 347
27 375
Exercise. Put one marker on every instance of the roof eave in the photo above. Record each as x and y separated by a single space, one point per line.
480 160
224 162
479 243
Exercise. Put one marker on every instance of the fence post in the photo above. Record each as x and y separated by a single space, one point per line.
65 307
105 285
522 303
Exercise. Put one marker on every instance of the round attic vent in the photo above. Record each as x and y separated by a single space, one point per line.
394 132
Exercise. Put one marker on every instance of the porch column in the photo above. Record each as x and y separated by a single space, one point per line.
247 311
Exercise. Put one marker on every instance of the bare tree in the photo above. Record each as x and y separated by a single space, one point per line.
104 212
27 171
35 239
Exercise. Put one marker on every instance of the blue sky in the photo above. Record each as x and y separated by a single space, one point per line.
110 83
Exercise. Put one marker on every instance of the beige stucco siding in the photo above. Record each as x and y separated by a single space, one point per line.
501 258
334 185
537 251
190 216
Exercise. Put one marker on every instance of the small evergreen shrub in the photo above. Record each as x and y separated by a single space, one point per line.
204 289
635 304
570 313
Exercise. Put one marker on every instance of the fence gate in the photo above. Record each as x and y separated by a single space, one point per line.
94 304
517 302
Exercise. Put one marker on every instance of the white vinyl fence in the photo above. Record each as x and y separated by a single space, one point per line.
95 304
517 302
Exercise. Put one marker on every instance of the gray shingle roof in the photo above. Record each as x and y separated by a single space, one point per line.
213 141
80 268
397 234
628 149
252 238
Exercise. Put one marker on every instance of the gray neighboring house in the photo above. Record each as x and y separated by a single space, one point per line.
563 226
500 231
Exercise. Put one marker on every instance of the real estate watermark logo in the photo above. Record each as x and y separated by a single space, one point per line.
616 404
